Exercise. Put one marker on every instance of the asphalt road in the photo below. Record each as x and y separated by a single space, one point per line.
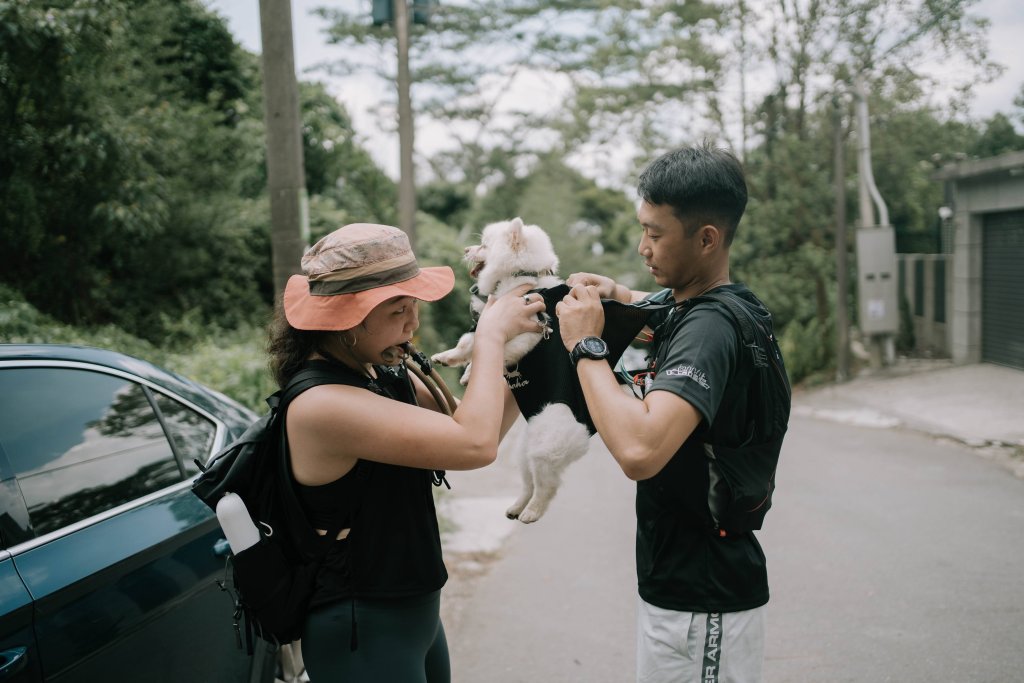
892 556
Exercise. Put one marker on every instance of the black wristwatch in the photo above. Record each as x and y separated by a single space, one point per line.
589 347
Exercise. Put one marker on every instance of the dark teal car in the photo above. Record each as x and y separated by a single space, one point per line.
108 564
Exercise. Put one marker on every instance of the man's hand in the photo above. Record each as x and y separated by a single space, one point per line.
607 288
605 285
580 315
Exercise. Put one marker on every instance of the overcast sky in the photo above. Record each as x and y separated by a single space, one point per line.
358 94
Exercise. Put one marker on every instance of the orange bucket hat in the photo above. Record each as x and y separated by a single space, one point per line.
352 270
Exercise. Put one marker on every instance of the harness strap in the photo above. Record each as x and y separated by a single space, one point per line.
742 318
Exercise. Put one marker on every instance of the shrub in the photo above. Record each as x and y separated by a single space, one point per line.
806 349
232 362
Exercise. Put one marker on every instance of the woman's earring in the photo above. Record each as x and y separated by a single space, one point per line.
350 344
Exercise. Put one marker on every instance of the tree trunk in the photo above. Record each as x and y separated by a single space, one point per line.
286 180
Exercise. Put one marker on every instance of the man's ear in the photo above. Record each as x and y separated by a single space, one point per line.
710 237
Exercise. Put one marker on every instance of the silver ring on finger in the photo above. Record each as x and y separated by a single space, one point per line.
526 298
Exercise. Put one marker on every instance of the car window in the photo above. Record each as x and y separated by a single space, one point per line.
192 433
80 442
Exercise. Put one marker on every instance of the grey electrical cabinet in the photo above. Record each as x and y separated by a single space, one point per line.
876 281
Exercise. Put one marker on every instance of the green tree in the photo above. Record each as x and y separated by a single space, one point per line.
627 72
59 154
1018 104
447 202
998 137
817 48
592 228
907 146
344 183
132 166
120 168
458 77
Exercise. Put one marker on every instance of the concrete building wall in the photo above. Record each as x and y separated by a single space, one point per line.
975 188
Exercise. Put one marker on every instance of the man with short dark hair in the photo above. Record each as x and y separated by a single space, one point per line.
702 590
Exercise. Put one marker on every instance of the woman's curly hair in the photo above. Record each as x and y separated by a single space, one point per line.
288 348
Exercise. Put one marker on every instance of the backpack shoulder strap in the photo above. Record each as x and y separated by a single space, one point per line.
306 378
313 376
739 313
742 319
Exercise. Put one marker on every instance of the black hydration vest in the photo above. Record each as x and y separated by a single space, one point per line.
742 478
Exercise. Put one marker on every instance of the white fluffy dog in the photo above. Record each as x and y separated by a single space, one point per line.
511 254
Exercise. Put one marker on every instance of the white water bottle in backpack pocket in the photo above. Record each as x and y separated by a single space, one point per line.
236 523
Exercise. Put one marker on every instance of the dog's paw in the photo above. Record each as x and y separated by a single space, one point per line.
535 508
529 516
449 358
516 508
464 380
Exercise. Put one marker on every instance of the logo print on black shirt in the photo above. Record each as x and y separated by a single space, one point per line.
698 376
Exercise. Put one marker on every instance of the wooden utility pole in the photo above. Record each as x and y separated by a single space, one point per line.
407 181
742 8
286 178
842 279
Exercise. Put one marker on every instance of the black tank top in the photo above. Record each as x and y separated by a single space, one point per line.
394 547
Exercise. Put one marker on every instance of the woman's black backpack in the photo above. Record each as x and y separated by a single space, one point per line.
274 579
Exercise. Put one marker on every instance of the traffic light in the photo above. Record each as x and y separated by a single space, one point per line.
383 12
422 10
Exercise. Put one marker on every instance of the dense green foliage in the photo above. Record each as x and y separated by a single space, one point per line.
132 174
122 164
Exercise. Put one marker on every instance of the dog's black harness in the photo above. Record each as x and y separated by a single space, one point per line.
546 374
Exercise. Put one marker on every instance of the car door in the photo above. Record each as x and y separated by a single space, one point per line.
19 656
123 560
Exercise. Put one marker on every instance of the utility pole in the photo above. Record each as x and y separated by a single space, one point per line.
286 178
876 251
407 180
742 8
842 281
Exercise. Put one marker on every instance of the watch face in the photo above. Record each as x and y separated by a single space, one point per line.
595 345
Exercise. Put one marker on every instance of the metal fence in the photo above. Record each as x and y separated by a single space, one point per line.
923 281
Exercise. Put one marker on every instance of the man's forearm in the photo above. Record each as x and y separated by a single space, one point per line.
619 417
642 435
624 294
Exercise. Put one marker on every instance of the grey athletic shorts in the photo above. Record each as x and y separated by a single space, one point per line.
688 647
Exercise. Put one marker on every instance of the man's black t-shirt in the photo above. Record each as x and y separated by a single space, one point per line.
680 564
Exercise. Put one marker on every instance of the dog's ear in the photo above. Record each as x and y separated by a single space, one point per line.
516 234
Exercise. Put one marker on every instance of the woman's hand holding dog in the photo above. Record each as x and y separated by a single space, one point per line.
512 314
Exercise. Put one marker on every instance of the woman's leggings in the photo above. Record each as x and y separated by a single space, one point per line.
400 640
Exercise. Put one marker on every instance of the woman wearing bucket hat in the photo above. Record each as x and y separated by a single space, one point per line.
363 454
